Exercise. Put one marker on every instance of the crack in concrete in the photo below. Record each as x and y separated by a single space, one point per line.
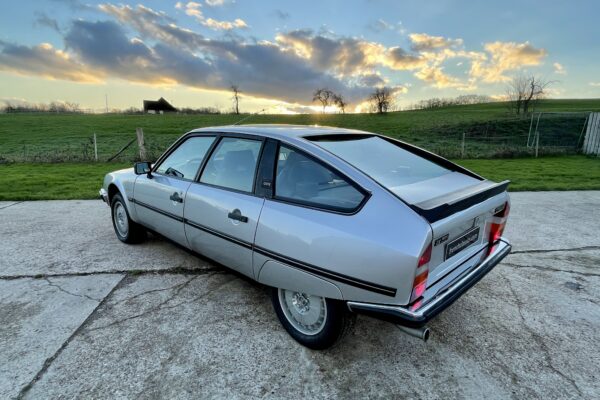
71 293
537 338
133 272
51 359
542 268
163 305
556 250
10 205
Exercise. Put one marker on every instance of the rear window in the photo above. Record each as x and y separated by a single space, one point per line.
387 163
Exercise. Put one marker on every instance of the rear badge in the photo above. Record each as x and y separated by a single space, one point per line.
441 240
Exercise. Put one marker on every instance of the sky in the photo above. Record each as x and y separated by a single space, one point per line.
279 52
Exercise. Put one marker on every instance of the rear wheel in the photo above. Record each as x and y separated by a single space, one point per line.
127 230
313 321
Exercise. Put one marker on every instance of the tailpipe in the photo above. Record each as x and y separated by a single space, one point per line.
420 333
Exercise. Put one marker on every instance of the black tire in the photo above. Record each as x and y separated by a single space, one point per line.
135 233
338 322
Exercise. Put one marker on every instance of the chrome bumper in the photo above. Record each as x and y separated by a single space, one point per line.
418 317
103 195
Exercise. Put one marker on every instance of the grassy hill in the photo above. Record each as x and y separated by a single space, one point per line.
490 129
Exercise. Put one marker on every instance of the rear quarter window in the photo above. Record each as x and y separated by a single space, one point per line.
305 181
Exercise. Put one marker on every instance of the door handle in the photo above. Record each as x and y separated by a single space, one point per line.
237 215
175 197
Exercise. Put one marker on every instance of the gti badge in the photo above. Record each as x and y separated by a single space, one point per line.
440 240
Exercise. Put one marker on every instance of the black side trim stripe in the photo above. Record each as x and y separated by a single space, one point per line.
158 210
313 269
219 234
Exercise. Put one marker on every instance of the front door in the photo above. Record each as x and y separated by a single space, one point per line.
221 212
160 198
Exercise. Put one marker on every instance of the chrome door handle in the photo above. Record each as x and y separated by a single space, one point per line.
237 215
175 197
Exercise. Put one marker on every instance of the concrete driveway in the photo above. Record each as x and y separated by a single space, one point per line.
84 316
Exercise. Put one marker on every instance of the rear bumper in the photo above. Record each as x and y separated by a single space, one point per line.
403 315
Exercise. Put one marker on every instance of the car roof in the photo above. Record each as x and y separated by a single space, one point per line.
281 131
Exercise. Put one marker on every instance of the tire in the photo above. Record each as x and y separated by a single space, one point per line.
127 230
327 320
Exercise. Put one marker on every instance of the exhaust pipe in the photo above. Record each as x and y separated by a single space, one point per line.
420 333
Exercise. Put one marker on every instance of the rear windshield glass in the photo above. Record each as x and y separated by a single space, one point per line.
387 163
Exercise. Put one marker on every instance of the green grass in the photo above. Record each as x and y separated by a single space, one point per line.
53 181
82 180
59 138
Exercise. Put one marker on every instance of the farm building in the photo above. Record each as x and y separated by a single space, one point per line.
159 106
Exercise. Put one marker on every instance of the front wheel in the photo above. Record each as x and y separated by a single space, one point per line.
127 230
313 321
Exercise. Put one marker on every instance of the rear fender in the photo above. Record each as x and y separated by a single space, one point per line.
278 275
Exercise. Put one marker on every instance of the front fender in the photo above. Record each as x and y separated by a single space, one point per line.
124 182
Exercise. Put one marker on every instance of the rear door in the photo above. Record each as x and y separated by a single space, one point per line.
221 210
160 198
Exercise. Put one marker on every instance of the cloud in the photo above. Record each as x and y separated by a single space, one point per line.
261 69
595 84
214 3
191 8
345 56
46 61
559 69
437 78
225 25
379 26
501 57
282 15
42 19
425 42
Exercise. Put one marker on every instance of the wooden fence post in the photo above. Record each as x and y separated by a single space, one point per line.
95 148
462 148
140 139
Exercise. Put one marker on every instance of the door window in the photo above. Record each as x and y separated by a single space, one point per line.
185 160
233 164
303 180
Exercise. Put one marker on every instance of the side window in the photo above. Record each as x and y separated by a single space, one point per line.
301 179
185 160
233 164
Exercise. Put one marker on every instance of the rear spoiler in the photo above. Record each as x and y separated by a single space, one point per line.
441 207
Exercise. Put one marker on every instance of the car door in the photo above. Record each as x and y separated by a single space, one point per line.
221 210
309 218
159 198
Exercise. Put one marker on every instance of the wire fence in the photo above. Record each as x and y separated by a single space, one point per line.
541 134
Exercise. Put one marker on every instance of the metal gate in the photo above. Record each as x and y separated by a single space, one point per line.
591 143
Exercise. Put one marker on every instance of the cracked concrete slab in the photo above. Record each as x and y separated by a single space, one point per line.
553 220
215 335
6 204
529 329
58 237
37 316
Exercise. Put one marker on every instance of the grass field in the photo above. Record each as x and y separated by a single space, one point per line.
491 130
82 180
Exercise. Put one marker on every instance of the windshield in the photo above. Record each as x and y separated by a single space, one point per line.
387 163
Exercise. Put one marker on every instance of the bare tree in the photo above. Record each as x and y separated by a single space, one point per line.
340 102
381 99
323 96
524 91
236 98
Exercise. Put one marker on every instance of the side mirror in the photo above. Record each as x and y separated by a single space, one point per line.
141 168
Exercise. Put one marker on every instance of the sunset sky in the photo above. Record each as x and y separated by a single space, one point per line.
280 52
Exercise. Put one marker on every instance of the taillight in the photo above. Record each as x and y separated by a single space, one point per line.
497 225
420 282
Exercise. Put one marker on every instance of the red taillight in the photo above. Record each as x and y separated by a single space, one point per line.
497 225
420 282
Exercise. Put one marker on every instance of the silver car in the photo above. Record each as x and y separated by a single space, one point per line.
336 221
